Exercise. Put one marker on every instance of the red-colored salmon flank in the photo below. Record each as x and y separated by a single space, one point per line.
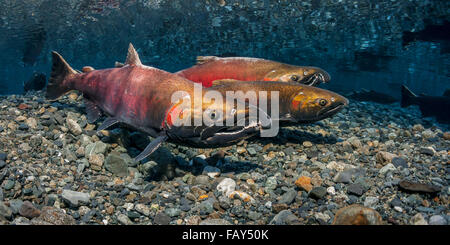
212 68
244 69
129 94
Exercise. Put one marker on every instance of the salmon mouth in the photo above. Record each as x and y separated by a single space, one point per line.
330 111
316 79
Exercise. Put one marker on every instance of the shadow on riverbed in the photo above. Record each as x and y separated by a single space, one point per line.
294 136
168 161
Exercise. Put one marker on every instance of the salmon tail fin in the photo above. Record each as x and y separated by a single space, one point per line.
61 70
407 97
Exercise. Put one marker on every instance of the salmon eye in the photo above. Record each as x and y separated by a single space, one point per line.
322 102
295 78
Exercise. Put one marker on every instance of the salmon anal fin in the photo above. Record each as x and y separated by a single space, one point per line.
205 59
224 81
108 123
93 113
153 146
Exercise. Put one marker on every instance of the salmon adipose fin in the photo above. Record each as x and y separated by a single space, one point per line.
61 70
118 64
92 111
87 69
224 81
407 97
153 146
205 59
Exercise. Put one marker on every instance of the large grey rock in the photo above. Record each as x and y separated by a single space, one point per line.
437 220
357 215
73 126
116 164
75 198
214 222
349 173
172 212
53 216
418 219
387 168
318 192
284 217
15 205
5 211
95 148
124 220
356 189
28 210
288 197
271 184
161 219
226 186
21 221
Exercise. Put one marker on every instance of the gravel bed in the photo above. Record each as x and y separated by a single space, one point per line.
383 163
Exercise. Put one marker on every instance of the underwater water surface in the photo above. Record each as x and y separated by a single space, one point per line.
364 44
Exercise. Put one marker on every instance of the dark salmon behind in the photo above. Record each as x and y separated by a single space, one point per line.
430 106
407 97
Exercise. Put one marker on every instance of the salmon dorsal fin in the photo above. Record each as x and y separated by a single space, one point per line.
224 81
132 56
205 59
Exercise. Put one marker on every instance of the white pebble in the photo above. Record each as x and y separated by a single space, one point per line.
226 186
331 190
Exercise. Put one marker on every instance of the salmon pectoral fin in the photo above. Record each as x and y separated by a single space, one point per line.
224 81
205 59
107 123
152 147
93 112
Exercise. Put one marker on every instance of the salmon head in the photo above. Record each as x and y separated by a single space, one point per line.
307 75
211 124
310 104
